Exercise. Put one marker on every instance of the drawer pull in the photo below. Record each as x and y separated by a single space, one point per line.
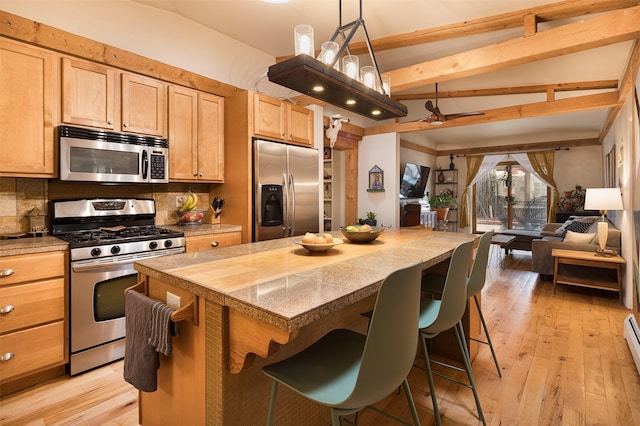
6 272
6 357
6 309
215 244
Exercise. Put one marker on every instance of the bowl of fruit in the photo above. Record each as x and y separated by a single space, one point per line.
318 243
187 213
361 233
192 217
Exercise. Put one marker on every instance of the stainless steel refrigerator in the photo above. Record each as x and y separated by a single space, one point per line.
286 190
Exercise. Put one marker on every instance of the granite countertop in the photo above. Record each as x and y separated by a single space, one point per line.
29 245
283 284
203 229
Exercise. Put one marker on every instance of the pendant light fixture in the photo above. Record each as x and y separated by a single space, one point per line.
323 79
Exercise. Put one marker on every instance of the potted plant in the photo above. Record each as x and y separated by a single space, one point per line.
442 202
371 219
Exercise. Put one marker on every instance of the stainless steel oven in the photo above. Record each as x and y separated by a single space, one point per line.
105 237
97 308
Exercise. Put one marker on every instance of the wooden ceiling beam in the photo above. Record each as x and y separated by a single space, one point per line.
545 13
626 88
517 90
537 109
521 147
610 28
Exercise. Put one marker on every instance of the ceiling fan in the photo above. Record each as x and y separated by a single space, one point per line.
437 118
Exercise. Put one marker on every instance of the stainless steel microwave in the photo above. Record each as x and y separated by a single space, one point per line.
100 156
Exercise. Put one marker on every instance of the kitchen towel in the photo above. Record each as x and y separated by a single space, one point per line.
141 361
162 328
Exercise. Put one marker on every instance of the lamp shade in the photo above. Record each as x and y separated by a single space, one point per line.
603 199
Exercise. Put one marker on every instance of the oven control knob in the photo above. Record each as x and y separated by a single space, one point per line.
115 249
153 245
168 243
95 252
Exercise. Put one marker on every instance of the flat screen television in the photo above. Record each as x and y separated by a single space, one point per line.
414 180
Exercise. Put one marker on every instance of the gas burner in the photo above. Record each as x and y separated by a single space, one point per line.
121 235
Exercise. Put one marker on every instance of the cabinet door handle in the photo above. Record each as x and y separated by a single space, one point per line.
7 356
126 124
6 309
110 122
201 174
6 272
215 244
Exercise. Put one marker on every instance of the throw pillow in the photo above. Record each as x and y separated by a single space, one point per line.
563 229
578 237
577 226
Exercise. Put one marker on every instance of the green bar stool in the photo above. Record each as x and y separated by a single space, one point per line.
438 315
348 371
433 283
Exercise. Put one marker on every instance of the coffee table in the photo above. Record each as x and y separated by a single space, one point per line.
502 241
584 277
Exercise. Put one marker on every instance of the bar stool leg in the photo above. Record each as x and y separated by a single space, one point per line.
467 365
486 332
432 386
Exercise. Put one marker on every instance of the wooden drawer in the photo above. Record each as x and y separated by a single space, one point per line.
32 349
211 241
31 267
34 303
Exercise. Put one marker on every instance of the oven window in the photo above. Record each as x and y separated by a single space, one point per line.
108 297
90 160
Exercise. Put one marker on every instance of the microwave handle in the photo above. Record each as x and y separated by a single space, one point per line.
145 164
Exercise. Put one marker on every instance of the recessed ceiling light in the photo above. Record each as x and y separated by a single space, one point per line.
376 112
317 88
351 102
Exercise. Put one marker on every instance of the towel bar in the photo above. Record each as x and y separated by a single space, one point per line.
189 311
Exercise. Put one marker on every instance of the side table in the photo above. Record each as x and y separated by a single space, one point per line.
587 278
502 240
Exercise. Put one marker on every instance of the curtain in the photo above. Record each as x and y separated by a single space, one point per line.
542 165
477 167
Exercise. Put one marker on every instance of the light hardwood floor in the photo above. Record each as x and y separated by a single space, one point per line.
564 362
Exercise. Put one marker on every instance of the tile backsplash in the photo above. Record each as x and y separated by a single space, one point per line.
18 196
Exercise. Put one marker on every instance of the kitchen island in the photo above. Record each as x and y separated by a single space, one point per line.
257 303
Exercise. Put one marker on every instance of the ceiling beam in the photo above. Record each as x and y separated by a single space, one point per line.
611 28
517 90
544 13
537 109
521 147
626 88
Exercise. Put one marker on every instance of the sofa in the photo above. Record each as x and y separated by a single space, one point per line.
576 233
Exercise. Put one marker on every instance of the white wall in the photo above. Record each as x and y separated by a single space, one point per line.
625 134
382 151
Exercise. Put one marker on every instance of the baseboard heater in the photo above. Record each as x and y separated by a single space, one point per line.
632 336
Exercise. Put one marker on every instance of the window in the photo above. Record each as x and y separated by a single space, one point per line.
509 197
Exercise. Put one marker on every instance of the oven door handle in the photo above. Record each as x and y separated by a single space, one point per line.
92 264
75 267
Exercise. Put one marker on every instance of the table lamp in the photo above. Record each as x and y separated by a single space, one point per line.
603 199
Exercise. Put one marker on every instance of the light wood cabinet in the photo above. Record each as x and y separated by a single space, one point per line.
28 83
196 136
144 105
275 119
89 94
96 95
212 241
32 322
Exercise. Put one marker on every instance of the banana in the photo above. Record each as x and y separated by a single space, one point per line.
194 202
189 203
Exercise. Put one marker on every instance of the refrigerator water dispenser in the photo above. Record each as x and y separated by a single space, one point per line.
272 205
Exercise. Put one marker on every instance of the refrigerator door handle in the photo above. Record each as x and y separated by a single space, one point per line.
292 186
285 203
